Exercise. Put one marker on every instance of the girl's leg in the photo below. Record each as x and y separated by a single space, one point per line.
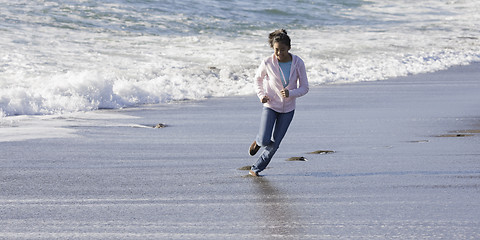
282 122
267 121
281 127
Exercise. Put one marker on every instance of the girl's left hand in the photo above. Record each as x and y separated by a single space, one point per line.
285 93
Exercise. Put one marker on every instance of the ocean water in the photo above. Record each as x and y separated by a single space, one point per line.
82 55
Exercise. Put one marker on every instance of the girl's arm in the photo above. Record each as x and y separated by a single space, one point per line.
303 81
259 77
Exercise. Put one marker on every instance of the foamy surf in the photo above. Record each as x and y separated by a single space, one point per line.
72 57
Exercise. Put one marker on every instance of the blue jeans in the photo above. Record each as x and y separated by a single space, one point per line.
277 123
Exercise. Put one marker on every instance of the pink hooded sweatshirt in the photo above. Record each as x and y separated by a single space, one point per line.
269 70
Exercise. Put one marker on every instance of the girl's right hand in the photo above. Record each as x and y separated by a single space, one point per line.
265 99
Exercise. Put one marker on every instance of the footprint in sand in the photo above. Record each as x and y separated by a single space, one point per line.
300 159
304 159
322 152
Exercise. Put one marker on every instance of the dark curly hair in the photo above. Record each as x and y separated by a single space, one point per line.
280 36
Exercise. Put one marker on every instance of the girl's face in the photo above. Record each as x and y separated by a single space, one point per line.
281 52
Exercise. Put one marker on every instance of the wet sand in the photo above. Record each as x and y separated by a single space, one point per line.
402 162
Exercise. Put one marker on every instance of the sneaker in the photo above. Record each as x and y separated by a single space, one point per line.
252 173
254 148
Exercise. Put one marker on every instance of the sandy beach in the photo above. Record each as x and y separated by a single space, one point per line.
403 163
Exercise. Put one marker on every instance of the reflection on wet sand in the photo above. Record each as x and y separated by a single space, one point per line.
276 219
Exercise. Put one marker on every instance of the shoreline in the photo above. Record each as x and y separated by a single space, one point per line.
27 127
404 165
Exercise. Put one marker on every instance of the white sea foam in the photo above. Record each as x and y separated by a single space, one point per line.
62 57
